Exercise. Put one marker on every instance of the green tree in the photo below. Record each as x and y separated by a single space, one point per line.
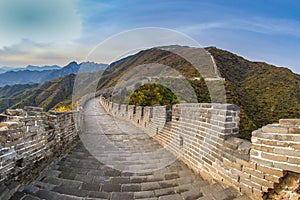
152 94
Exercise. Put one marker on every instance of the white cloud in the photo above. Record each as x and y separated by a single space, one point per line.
29 52
257 25
196 28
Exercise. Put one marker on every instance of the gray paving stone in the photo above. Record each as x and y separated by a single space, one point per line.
150 186
143 194
70 183
71 191
42 185
138 179
168 183
171 197
111 172
46 194
30 189
17 195
132 187
122 196
95 172
91 187
164 191
111 187
120 180
84 178
173 175
52 173
101 179
51 180
68 175
100 195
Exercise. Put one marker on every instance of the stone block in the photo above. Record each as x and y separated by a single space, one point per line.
262 182
288 167
253 172
270 171
262 148
274 179
290 122
274 157
132 187
294 130
250 183
274 129
287 152
246 163
15 112
232 164
294 160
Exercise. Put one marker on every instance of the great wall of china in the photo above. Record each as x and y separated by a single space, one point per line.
203 136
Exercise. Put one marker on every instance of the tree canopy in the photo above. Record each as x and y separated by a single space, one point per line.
151 94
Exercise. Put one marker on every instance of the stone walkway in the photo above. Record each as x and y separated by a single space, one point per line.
117 161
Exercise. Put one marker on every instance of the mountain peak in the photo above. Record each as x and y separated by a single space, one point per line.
72 63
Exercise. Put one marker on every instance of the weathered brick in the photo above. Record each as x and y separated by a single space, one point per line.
292 122
271 171
261 161
246 189
294 160
272 178
253 172
240 173
257 194
274 129
254 152
274 157
262 182
294 130
232 164
262 148
287 152
289 167
250 183
245 163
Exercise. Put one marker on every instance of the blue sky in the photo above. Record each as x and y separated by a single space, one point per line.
260 30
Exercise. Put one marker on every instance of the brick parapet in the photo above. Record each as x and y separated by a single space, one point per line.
204 137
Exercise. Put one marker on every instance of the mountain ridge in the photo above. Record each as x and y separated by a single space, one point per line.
265 93
30 77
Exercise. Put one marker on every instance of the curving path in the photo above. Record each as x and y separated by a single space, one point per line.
115 160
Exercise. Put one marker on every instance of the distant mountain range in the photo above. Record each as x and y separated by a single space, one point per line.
29 68
35 74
